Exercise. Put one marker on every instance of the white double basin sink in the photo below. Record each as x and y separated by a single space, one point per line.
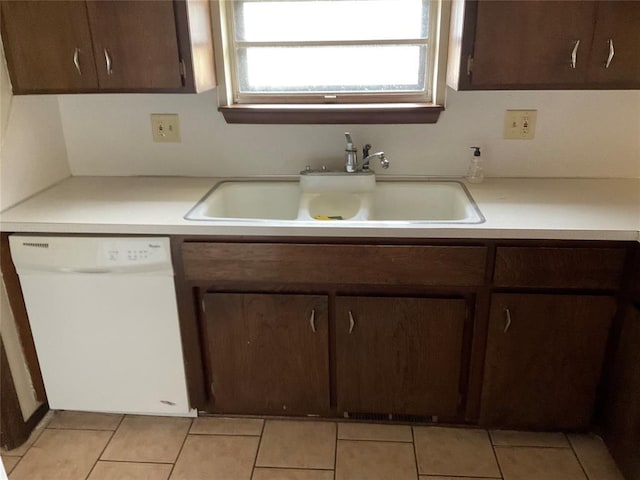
338 197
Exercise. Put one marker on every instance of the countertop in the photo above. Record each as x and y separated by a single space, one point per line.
579 209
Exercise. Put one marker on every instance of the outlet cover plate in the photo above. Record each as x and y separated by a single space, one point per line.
165 127
520 124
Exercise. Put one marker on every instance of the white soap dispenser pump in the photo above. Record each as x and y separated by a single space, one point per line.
476 172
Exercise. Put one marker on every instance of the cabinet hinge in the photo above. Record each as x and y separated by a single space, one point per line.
469 65
211 390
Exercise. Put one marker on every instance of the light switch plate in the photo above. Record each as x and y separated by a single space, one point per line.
165 127
520 124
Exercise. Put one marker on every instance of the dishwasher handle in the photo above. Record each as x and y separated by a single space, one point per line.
84 270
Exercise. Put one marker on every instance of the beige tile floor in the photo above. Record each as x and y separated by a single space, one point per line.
72 445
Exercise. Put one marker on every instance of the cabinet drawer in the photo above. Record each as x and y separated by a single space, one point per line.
598 268
336 264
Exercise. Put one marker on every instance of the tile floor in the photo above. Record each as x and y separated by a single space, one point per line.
72 445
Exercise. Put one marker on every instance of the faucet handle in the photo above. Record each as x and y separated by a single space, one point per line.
365 150
349 141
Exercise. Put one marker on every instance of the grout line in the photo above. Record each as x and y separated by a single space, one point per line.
549 447
495 454
575 454
315 469
103 449
184 441
374 440
221 434
255 459
415 452
335 452
17 463
150 462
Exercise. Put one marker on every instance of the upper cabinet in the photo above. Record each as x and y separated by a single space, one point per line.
544 45
108 46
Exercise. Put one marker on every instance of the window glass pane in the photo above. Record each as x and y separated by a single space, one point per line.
308 20
359 69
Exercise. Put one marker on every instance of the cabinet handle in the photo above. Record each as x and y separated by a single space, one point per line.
352 322
76 60
574 54
312 320
612 52
107 59
507 315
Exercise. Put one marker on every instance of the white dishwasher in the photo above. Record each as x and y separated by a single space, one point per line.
104 320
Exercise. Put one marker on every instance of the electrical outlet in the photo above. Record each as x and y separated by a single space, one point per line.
165 127
520 124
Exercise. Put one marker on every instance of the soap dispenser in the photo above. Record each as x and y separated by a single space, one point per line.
476 172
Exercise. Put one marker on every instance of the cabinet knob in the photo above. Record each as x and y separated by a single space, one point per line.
107 60
574 54
312 320
76 60
612 52
352 322
507 319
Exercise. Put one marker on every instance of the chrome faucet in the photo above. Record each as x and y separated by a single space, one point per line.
351 157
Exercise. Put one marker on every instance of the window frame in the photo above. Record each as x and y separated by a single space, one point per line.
388 107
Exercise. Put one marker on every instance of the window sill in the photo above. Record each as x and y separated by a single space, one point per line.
365 113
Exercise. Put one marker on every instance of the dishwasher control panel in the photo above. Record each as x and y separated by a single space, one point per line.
91 255
137 251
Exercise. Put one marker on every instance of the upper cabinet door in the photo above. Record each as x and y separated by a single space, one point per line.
43 56
135 44
615 58
531 44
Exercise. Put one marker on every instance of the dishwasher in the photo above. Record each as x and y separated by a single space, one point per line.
104 320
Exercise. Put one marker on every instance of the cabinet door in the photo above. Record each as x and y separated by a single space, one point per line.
399 355
44 56
622 413
268 354
544 359
135 44
617 36
529 43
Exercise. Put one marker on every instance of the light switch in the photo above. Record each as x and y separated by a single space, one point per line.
520 124
165 127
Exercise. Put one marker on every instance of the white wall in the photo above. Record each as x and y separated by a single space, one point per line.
579 134
32 149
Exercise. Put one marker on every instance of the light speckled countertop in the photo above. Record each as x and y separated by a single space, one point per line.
580 209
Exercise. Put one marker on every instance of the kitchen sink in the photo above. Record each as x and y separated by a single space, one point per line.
249 200
423 202
349 198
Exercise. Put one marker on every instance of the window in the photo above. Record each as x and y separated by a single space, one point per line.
369 59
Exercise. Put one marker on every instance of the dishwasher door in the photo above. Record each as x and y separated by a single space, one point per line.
104 320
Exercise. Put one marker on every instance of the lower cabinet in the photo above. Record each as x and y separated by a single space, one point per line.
399 355
268 353
544 359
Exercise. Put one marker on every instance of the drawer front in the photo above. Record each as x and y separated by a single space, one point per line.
334 264
597 268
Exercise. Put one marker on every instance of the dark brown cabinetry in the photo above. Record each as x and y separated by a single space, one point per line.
119 46
544 359
508 334
544 45
399 355
391 348
268 353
